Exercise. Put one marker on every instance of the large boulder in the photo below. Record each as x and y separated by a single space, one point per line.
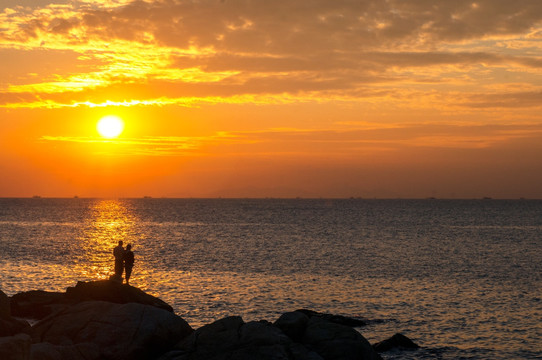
337 319
335 341
330 336
396 341
11 326
112 291
220 336
293 324
294 336
48 351
120 331
5 309
15 347
36 304
232 339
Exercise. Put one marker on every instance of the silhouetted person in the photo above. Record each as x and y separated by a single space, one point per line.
128 262
118 252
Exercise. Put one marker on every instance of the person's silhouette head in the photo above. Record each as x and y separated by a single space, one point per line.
120 242
128 247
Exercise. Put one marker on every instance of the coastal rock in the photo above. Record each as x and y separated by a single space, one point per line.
5 308
120 331
231 338
219 336
36 304
293 336
103 320
300 352
112 291
396 341
337 319
48 351
10 326
15 347
335 341
293 324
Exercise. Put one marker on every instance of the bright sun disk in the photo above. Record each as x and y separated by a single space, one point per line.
110 126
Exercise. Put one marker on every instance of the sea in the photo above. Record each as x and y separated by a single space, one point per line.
461 278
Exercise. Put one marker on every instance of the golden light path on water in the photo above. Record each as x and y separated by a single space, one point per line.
110 223
85 244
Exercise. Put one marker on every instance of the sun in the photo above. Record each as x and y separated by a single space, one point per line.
110 126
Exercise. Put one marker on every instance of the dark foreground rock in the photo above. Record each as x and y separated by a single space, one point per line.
112 331
104 320
112 291
10 326
37 304
231 338
337 319
5 307
398 340
335 341
293 336
16 347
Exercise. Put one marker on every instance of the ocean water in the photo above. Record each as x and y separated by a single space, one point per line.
461 278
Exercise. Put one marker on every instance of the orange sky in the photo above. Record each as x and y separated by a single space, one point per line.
272 98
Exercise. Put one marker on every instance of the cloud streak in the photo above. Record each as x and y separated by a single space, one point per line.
331 143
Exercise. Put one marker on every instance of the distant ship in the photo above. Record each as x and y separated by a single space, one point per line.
36 197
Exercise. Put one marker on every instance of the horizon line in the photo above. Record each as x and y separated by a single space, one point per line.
37 197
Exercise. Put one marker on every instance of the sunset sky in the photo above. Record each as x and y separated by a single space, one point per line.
322 98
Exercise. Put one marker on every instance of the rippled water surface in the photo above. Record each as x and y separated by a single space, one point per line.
462 278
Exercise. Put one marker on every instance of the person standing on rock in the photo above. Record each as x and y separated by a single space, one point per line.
128 262
118 252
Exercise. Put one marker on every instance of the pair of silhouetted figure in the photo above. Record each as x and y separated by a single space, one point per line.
124 261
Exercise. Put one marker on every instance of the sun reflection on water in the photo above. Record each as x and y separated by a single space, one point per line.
111 221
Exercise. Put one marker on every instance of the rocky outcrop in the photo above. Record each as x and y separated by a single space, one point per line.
293 324
16 347
14 339
231 338
293 336
5 308
10 326
104 320
37 304
120 331
396 341
335 341
337 319
112 291
48 351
